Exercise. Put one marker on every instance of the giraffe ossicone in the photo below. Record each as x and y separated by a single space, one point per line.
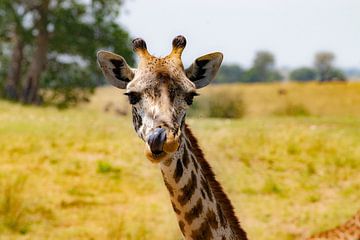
160 91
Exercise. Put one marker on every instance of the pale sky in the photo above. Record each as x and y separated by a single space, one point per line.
291 29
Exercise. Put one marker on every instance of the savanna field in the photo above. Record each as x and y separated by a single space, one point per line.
290 164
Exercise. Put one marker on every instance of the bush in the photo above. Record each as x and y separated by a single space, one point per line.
229 74
218 102
303 74
12 204
291 109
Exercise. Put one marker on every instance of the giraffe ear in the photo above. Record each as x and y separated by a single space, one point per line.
204 69
115 69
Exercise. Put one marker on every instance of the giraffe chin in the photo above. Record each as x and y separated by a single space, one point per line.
156 158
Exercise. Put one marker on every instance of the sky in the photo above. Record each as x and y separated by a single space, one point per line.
293 30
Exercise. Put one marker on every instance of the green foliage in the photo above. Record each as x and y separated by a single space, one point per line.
104 167
81 29
229 74
303 74
67 84
254 75
337 75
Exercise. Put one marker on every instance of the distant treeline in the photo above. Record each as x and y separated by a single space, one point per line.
263 70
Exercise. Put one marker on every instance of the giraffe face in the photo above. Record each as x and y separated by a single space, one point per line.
160 91
159 101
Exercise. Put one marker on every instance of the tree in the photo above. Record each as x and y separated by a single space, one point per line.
264 61
325 69
303 74
229 73
13 33
57 35
324 64
263 69
39 57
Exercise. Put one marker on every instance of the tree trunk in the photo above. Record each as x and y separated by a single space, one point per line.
14 73
39 58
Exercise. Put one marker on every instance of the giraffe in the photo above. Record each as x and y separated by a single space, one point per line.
160 90
350 230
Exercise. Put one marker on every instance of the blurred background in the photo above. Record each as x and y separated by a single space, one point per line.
281 120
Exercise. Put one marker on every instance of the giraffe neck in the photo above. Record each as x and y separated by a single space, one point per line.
202 208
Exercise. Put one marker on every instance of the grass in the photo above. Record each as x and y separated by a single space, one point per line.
87 177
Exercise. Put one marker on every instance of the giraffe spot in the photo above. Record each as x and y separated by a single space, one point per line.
221 215
196 165
169 187
137 120
176 210
186 159
203 194
188 142
194 212
206 188
182 226
178 170
203 232
188 190
211 219
172 93
167 162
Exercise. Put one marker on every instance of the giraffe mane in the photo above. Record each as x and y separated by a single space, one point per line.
219 194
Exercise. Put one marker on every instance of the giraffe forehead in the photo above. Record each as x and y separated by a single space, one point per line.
160 76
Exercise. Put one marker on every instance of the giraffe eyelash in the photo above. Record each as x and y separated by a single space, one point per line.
134 97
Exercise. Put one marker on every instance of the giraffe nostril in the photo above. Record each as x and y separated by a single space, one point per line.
156 140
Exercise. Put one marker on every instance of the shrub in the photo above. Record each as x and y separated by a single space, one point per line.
12 206
303 74
104 167
291 109
218 102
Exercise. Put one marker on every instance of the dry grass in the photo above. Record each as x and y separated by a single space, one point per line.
12 204
87 178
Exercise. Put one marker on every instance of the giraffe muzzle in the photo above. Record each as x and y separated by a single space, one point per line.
156 140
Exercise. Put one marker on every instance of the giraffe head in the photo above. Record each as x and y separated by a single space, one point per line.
160 90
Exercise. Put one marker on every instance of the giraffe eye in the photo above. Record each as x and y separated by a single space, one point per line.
189 98
134 97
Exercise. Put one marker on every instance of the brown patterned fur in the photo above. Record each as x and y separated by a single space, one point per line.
225 205
350 230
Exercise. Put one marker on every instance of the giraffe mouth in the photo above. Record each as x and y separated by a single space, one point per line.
161 145
157 156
